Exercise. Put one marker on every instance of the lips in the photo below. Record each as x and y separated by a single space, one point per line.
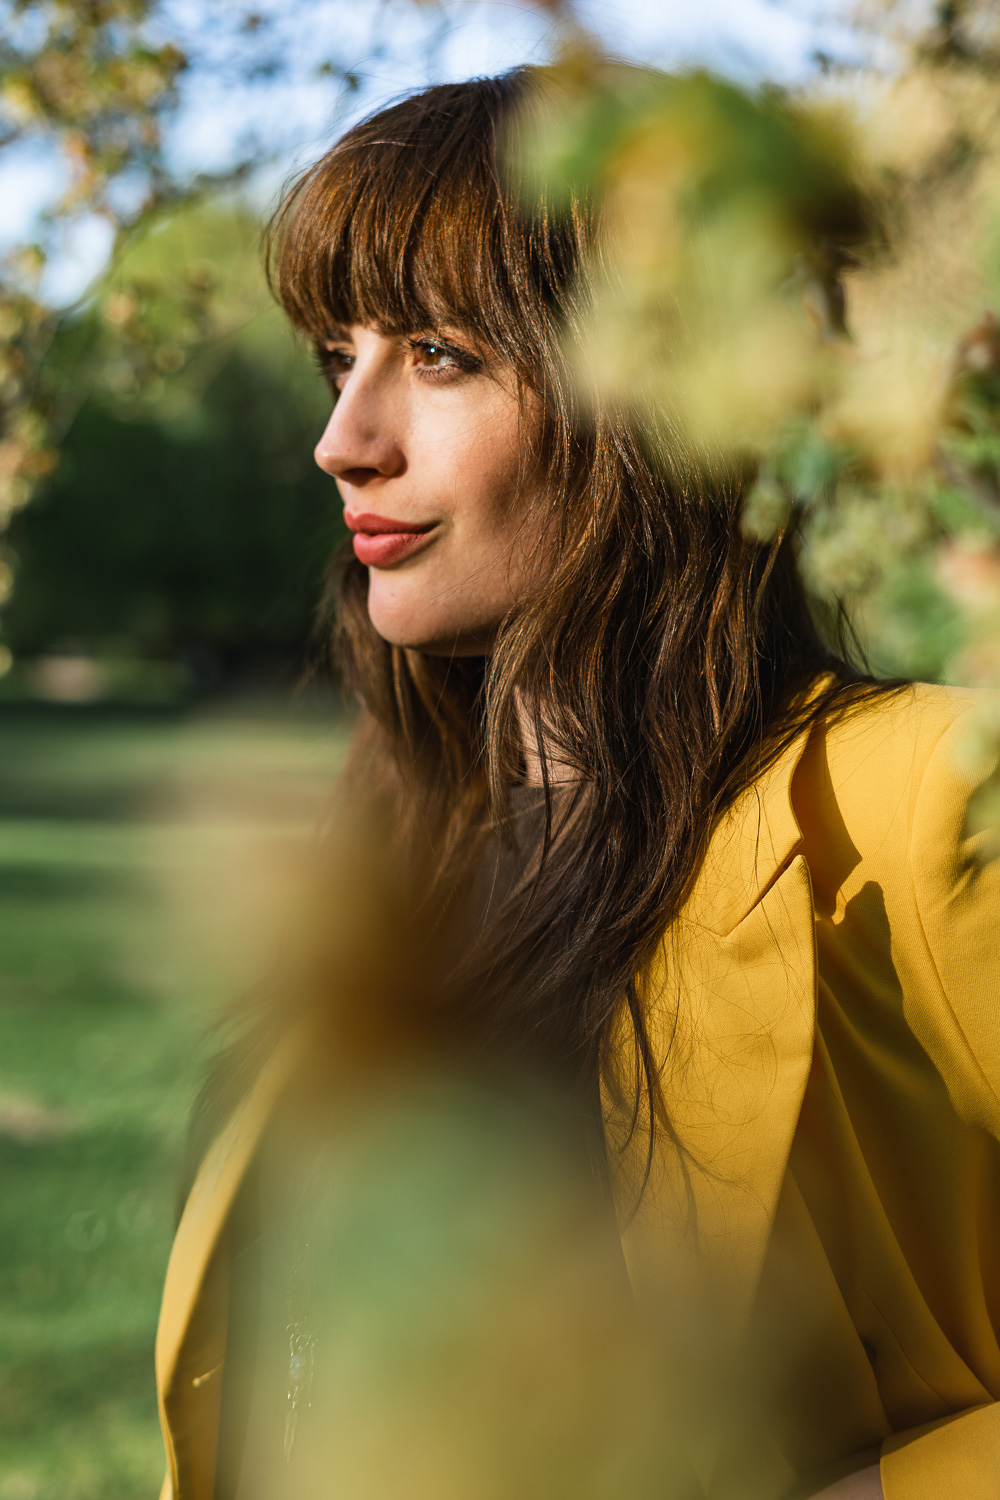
380 541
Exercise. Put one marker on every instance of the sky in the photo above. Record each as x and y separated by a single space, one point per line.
262 89
393 46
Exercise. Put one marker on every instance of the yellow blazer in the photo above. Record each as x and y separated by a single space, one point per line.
845 874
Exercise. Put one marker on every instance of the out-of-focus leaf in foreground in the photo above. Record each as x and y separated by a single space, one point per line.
805 288
726 218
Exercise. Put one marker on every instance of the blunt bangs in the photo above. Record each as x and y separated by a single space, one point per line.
407 223
395 226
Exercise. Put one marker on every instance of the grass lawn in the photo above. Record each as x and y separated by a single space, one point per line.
123 862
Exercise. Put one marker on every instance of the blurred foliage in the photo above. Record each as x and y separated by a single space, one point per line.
480 1338
81 76
186 520
810 283
716 205
85 70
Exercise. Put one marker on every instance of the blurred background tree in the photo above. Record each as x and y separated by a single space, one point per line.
185 527
162 423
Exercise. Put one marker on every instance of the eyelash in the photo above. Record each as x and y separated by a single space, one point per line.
461 360
326 361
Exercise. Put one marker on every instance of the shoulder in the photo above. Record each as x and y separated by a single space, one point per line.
881 795
905 723
876 757
844 794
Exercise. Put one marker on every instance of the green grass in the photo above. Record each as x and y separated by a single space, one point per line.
107 985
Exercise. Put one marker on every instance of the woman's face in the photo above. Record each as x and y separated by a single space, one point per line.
425 445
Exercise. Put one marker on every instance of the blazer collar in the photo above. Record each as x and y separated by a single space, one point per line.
752 842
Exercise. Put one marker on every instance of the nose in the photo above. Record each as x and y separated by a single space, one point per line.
362 441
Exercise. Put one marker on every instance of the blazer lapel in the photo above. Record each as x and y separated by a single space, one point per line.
731 1002
190 1339
731 1005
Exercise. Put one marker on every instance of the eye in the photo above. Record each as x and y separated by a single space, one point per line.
334 362
438 359
432 356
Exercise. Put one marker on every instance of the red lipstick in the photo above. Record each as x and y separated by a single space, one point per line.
380 541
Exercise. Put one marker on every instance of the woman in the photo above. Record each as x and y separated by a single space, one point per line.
744 923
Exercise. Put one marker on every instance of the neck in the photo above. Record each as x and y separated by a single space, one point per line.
535 749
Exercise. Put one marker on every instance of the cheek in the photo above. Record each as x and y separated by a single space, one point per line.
485 476
452 598
454 595
493 508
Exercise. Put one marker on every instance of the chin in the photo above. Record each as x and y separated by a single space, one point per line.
432 637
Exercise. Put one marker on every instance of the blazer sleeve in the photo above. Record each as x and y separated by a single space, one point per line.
956 1457
957 891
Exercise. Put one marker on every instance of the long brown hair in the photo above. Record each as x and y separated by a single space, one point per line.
665 658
